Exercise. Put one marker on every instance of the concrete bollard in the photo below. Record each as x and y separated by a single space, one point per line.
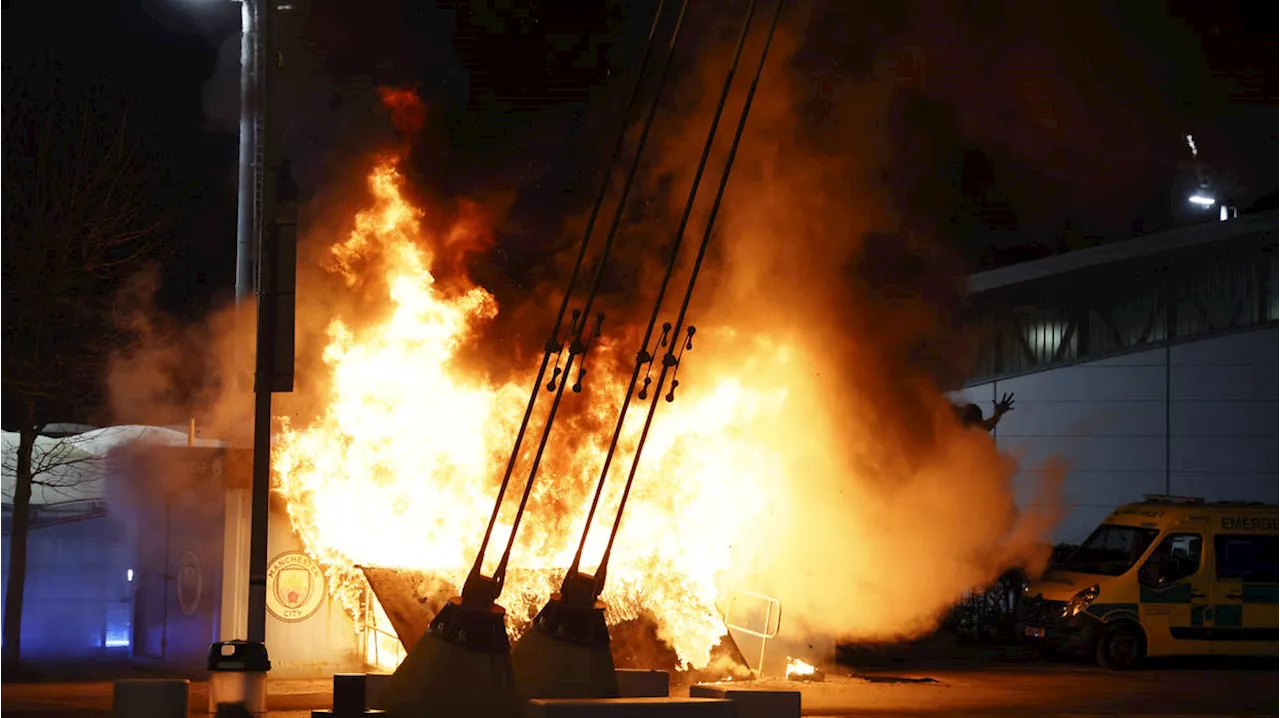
349 691
151 698
630 708
753 703
348 694
374 683
638 683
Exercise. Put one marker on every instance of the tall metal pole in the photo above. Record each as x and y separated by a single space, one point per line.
233 616
246 240
264 374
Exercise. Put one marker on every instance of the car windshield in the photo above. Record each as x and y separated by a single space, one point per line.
1110 550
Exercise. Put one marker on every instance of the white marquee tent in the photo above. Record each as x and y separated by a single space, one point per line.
71 468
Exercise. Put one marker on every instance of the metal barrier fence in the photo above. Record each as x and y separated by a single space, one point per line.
772 618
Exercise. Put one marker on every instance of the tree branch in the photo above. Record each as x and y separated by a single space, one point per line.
80 216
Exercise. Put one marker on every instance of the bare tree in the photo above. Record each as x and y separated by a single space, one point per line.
61 468
79 217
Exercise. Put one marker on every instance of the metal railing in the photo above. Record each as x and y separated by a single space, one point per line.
373 633
772 617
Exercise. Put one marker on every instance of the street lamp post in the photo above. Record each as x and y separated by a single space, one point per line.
250 175
275 228
238 667
265 258
264 355
265 262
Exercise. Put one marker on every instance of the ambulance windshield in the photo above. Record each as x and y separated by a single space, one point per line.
1111 550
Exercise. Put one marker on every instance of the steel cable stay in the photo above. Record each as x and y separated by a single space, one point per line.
577 347
476 586
464 664
672 357
566 652
577 588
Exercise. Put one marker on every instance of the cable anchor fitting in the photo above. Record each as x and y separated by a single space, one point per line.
591 342
673 361
645 358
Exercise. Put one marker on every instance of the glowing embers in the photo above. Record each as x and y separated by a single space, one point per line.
798 670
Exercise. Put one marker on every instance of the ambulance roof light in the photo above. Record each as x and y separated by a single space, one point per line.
1168 499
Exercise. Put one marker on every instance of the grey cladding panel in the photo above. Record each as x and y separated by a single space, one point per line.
1030 487
1224 455
1089 383
979 394
1107 420
1093 453
1150 357
1102 418
1251 347
1224 383
1077 522
1091 488
1241 419
1226 487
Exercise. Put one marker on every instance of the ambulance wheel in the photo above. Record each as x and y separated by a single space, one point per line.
1121 646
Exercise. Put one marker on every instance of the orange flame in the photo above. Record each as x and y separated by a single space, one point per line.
798 668
401 467
407 111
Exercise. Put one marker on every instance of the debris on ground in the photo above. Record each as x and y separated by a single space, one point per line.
895 679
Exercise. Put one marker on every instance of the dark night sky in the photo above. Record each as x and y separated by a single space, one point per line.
1033 128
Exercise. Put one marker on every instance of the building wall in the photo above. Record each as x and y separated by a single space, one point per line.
76 602
323 643
190 510
177 599
185 519
169 498
1197 418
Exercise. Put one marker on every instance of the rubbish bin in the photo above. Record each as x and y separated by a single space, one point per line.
238 678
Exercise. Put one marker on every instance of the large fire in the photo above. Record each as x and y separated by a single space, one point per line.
401 467
809 455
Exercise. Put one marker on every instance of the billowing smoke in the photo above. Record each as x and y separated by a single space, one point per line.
871 510
170 372
884 510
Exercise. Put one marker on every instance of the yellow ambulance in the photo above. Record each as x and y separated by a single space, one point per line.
1170 576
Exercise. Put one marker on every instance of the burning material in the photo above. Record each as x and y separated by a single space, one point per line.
798 670
400 467
571 627
567 653
408 429
407 600
801 425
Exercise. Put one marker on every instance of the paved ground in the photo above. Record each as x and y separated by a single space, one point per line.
91 699
1047 689
956 690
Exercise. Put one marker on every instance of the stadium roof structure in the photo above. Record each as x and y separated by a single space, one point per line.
1143 246
1183 285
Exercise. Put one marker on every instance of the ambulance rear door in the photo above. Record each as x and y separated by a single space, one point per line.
1246 619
